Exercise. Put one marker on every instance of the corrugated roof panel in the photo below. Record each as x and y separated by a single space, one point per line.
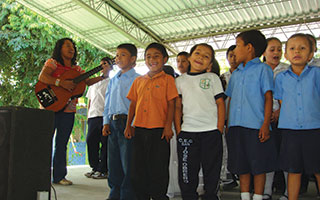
143 21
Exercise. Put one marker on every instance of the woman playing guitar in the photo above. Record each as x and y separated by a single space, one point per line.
63 60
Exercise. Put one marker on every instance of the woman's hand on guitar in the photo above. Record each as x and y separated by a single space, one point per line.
68 85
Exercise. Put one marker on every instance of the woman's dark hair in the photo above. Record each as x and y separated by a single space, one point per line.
57 51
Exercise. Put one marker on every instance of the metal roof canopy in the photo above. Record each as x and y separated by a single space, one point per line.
175 23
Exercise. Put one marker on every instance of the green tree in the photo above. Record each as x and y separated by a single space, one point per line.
26 42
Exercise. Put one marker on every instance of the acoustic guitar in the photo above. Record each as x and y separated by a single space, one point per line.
56 98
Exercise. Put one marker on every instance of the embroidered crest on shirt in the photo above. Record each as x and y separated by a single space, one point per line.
205 83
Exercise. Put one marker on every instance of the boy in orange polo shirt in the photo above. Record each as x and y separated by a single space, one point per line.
152 106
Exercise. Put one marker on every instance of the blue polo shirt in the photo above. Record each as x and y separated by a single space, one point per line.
246 88
300 95
116 101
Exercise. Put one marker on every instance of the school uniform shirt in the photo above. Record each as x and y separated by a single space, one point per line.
151 96
300 95
199 92
247 87
116 101
279 68
96 95
226 76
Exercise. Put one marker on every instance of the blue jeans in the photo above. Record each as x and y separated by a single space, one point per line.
63 123
119 162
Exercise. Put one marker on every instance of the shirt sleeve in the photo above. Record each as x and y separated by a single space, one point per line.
177 81
278 87
89 92
267 79
106 117
171 89
217 87
132 94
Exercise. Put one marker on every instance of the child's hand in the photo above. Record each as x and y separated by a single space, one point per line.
264 133
106 130
178 130
167 133
129 132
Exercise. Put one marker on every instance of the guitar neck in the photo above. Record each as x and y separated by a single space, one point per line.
87 74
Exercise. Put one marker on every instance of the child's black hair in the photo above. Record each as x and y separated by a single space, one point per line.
130 47
304 36
313 40
231 48
215 68
159 47
169 70
109 61
256 39
183 53
268 40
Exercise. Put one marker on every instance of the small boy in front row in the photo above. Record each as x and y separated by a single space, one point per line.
250 148
298 90
152 105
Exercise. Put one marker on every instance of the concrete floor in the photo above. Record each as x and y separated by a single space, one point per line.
90 189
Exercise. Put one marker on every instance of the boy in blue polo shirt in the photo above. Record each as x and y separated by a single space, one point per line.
114 122
298 90
250 149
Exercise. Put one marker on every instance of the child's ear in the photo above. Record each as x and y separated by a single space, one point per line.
310 56
250 47
285 55
165 59
209 67
133 59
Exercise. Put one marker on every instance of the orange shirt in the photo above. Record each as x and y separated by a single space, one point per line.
151 96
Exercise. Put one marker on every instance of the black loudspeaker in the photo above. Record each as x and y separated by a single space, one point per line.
25 153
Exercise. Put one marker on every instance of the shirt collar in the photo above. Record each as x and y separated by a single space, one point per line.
307 67
249 64
162 73
129 73
196 73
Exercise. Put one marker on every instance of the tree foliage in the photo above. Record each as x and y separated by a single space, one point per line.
26 42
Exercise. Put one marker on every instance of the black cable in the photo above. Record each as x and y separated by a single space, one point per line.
54 191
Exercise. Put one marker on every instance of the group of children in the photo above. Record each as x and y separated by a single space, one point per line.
139 112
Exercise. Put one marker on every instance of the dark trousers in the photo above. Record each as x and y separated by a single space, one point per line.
97 155
150 164
195 150
63 123
119 162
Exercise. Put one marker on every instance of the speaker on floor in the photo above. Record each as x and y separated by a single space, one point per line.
25 152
